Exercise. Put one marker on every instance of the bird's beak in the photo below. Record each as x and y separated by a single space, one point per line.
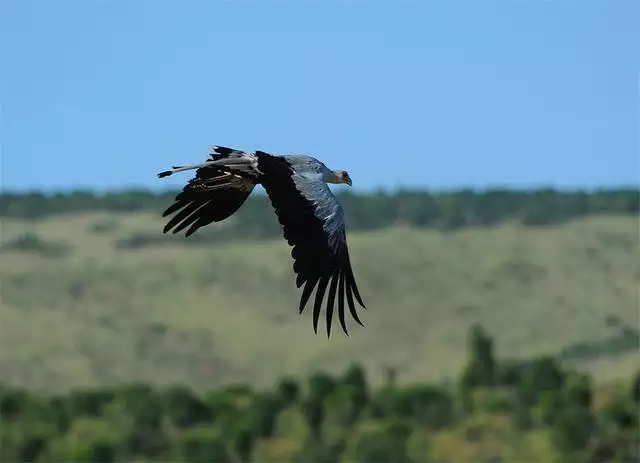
348 181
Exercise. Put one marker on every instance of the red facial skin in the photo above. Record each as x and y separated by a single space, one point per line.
344 176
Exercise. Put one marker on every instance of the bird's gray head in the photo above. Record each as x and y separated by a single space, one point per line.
342 176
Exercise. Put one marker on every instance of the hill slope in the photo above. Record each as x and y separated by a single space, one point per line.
78 309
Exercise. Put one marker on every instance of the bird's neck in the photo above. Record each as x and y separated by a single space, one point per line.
329 176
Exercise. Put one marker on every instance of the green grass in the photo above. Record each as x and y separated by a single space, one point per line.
219 313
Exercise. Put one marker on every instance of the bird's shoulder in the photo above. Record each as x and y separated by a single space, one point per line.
307 176
304 163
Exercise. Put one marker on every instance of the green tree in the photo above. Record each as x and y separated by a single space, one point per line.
481 370
91 439
428 405
142 403
572 430
576 392
617 439
541 376
264 413
386 443
635 388
355 392
184 408
199 445
83 402
31 448
355 376
24 442
242 443
314 451
142 408
466 398
55 411
288 391
620 413
13 403
314 413
346 404
321 385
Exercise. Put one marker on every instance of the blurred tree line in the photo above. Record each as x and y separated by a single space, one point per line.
418 208
332 418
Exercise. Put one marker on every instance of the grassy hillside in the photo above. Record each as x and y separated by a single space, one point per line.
79 308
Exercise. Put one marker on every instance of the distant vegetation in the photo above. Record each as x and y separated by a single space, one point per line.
32 243
417 208
496 411
366 211
161 354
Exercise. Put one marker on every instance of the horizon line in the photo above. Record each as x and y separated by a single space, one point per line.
355 190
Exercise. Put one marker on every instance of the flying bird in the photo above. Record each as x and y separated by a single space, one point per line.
311 217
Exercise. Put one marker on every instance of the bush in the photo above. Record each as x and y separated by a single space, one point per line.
13 403
346 404
24 442
542 375
142 404
83 402
199 445
386 443
91 439
572 429
184 408
549 409
426 405
263 414
321 386
635 388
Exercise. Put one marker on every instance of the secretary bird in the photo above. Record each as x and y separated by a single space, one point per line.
312 219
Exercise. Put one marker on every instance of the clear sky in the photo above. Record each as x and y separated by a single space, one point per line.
438 94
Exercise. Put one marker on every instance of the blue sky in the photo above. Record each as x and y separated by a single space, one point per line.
437 94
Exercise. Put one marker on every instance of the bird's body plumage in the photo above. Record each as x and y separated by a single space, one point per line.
312 219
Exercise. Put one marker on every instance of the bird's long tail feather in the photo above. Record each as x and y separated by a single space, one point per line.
236 160
176 169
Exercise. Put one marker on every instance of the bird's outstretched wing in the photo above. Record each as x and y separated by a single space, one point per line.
313 224
219 188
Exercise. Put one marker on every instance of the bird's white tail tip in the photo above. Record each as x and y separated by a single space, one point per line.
176 169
